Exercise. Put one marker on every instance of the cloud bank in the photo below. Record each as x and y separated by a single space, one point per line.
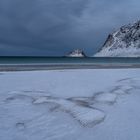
54 27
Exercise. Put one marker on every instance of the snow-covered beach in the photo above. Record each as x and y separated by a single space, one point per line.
97 104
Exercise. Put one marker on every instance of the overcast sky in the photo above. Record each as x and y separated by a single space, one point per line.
55 27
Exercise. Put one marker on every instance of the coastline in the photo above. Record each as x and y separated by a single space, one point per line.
55 66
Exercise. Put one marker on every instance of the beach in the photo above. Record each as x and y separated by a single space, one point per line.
69 70
60 63
61 66
80 104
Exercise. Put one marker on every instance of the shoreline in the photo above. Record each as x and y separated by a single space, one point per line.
36 67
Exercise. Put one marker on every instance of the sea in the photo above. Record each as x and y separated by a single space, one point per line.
67 60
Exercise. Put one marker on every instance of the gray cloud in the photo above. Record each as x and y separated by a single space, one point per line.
54 27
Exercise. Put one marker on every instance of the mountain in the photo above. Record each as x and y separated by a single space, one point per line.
122 43
76 53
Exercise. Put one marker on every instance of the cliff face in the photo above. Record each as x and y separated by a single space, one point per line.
122 43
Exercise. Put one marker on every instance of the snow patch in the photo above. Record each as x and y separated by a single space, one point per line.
106 98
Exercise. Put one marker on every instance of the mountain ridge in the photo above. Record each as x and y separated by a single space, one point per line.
124 42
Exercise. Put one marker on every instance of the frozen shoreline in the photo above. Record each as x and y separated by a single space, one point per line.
99 104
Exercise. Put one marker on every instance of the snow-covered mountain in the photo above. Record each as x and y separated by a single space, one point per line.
76 53
122 43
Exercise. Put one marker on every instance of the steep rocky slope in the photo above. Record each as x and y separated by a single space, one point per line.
122 43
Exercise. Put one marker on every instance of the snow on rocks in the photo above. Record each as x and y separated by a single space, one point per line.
87 116
76 53
82 108
119 92
40 100
124 42
122 89
126 87
85 101
106 98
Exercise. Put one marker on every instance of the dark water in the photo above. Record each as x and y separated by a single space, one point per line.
53 60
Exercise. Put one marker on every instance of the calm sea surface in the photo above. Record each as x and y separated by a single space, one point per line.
65 60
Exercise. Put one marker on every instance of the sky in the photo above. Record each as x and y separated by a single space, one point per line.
55 27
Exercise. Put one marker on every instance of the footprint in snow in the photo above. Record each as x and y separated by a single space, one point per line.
20 126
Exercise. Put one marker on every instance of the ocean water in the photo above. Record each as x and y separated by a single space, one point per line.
66 60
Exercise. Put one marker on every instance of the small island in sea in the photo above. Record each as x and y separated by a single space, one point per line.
76 53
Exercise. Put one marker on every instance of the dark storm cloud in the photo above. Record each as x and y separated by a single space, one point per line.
54 27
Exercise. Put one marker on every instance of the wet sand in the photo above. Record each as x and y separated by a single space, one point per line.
33 67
